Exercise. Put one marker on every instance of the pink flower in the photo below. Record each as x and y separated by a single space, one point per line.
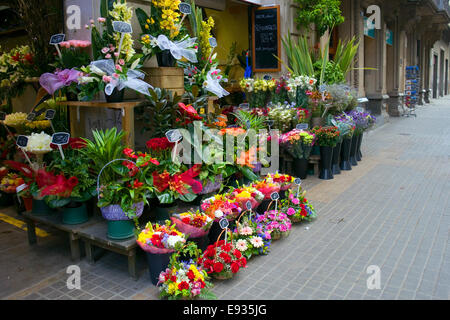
121 62
295 201
116 54
108 56
106 79
115 75
91 21
105 50
86 26
118 67
267 235
283 228
290 211
101 20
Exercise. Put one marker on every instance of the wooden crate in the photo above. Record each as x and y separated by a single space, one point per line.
166 78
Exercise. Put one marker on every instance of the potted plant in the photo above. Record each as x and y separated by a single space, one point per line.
298 143
75 184
327 138
195 225
8 185
361 120
159 242
185 280
341 154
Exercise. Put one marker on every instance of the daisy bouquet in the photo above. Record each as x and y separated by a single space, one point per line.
250 239
284 180
194 224
219 206
266 188
275 222
298 208
246 193
159 239
222 260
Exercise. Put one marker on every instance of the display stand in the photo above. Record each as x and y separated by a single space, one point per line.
411 91
127 108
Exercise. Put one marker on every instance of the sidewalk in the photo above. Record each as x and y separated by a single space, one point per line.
391 211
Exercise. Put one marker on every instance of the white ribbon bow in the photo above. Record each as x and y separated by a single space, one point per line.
178 49
212 84
133 81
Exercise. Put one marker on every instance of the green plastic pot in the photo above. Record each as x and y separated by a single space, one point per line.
40 208
75 214
120 229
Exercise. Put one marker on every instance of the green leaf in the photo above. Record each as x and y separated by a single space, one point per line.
165 198
189 197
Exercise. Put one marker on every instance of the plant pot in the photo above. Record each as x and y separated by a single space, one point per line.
345 154
157 263
358 148
300 168
315 150
214 233
353 148
162 211
211 186
326 157
75 214
115 96
120 229
115 213
5 199
165 59
40 208
335 163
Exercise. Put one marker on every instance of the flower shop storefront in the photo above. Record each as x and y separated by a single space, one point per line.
199 191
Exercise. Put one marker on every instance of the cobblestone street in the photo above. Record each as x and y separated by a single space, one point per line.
390 211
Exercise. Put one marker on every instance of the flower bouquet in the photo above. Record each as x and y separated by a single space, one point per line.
284 115
257 91
284 180
220 206
222 260
250 239
10 182
246 193
266 188
159 242
19 122
298 209
326 136
193 224
298 143
276 223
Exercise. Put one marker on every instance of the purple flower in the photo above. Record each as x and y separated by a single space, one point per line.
55 81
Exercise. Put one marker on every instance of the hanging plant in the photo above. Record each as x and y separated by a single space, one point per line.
325 14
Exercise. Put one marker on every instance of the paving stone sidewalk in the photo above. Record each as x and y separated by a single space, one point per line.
392 211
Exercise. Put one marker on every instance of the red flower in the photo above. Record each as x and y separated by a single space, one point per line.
191 275
188 109
243 262
237 253
234 267
226 247
77 143
72 182
183 285
137 184
173 278
225 257
129 153
218 267
159 144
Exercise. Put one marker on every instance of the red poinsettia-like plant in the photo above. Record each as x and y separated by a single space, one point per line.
178 182
51 185
188 114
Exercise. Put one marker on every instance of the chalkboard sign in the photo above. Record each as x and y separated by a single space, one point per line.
2 116
213 42
185 8
298 181
266 39
270 122
50 114
31 116
302 126
267 77
60 138
223 223
22 141
248 205
174 135
122 27
275 196
57 38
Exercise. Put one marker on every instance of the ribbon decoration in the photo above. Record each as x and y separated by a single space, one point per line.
178 49
212 83
107 67
52 82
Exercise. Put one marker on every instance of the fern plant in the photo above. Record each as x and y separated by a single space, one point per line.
249 121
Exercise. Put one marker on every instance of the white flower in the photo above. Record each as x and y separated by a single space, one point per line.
39 142
84 80
246 231
241 245
173 240
257 242
218 214
97 70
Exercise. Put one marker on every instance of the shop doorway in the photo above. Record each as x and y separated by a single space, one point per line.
435 76
446 77
441 74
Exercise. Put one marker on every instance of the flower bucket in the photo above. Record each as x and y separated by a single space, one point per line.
201 242
72 215
326 157
300 167
120 229
165 58
353 149
28 202
214 233
358 148
262 208
115 96
163 210
5 199
345 155
40 208
223 276
157 262
115 213
335 162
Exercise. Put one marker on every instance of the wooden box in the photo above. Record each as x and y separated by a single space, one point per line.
166 78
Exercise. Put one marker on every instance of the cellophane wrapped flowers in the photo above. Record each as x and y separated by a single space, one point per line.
298 143
250 238
219 206
266 188
39 142
221 260
246 193
298 208
10 182
276 223
155 238
195 224
183 280
284 180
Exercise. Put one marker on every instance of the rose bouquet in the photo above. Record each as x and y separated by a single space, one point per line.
284 180
10 182
192 224
266 188
250 239
219 206
298 209
246 193
222 260
298 143
276 223
159 239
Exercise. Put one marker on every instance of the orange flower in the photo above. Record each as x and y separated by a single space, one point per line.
247 158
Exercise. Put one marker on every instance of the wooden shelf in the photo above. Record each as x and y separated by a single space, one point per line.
102 104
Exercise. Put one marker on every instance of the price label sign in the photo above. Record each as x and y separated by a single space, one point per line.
60 138
185 8
21 187
213 42
270 122
248 205
57 38
122 27
31 116
302 126
223 223
267 77
2 116
22 141
275 196
359 109
298 181
244 106
50 114
174 135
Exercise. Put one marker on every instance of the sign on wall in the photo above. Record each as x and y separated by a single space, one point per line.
389 37
369 32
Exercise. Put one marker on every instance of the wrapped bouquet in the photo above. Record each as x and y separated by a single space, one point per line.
219 206
193 224
159 239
